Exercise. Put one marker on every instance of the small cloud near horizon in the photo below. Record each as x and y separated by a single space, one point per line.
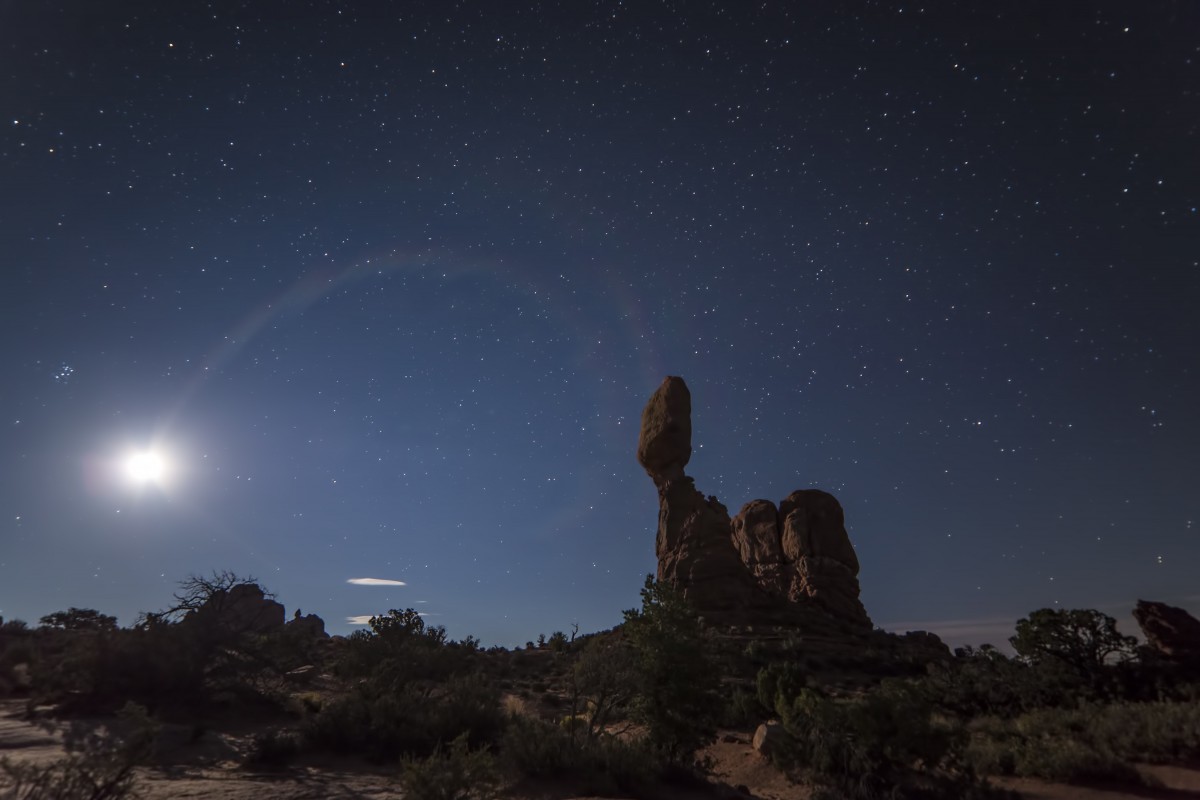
375 582
365 619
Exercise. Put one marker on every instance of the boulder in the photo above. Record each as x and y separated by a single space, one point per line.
665 438
1171 631
767 736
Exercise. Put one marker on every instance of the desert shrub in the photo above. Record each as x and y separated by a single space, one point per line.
467 704
199 648
99 765
303 704
413 690
779 683
453 773
412 720
986 682
273 749
742 709
1157 732
603 682
344 724
101 670
1070 761
889 743
602 765
1089 743
677 681
398 648
558 642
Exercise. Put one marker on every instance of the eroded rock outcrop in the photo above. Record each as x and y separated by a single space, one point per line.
309 626
768 562
1171 631
242 608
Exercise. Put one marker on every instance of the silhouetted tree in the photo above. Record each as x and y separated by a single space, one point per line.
79 619
1082 640
677 680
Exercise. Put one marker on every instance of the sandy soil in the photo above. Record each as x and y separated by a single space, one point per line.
209 766
1172 783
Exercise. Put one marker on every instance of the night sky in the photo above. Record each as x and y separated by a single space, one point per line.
386 286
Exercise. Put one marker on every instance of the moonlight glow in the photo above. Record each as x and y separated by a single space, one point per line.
146 467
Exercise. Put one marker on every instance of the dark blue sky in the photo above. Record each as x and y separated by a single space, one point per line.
388 285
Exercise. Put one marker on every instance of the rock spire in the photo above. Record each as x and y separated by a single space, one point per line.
769 563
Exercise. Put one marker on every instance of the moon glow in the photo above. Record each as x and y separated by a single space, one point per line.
145 467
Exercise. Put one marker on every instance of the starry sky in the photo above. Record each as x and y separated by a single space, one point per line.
386 286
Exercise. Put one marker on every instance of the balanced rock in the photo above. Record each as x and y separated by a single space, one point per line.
665 438
768 562
1171 631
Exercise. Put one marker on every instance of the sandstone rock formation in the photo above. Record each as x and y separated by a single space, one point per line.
1171 631
765 563
309 626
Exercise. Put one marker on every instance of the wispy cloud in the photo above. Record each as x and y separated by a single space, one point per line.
365 619
375 582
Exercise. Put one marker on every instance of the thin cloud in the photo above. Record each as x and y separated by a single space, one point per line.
365 619
376 582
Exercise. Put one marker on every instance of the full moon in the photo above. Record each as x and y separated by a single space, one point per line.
145 467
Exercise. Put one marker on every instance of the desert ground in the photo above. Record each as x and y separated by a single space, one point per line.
211 766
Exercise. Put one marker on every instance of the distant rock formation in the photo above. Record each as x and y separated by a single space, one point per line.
309 626
245 608
766 563
1171 631
242 608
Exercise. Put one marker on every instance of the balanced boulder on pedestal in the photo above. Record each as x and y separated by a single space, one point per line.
765 563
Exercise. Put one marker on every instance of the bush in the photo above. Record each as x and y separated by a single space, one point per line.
273 749
986 682
678 681
886 744
1088 743
399 648
99 766
456 773
743 710
102 670
414 720
604 765
778 684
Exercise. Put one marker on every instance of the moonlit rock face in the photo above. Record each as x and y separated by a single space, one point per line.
765 564
665 438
